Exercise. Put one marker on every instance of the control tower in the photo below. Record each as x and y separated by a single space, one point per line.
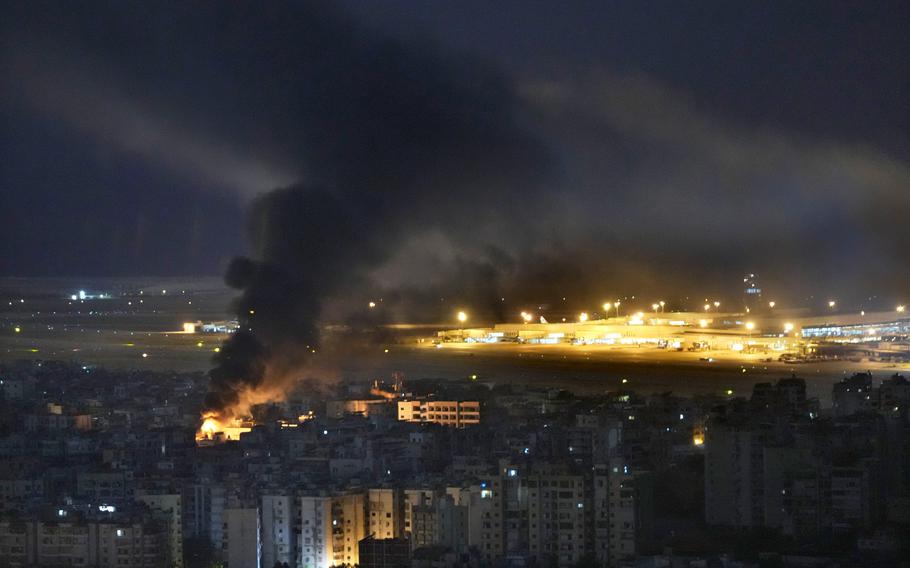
751 291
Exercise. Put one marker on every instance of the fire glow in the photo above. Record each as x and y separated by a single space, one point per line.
210 426
215 428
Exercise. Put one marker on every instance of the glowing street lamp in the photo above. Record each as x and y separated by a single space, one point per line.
662 303
771 304
750 325
716 304
462 317
527 317
707 307
583 317
831 303
901 308
616 304
372 305
654 307
788 327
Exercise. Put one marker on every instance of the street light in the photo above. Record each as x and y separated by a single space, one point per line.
716 304
583 317
616 303
661 305
788 327
462 317
606 307
772 303
654 307
901 308
831 303
707 307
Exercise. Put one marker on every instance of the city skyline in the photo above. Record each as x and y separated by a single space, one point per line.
454 284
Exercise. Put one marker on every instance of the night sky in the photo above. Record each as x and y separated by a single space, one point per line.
529 149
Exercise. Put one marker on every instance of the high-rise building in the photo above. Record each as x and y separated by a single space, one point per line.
601 521
631 508
67 541
487 519
331 528
386 513
168 508
472 504
242 546
279 542
556 516
733 473
415 498
315 540
204 505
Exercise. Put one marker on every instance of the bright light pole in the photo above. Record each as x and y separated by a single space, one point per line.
462 317
616 303
654 307
583 317
606 306
661 306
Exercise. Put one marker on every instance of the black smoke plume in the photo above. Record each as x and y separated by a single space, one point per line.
401 140
419 175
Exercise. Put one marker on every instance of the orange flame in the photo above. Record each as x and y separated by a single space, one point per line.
216 428
210 425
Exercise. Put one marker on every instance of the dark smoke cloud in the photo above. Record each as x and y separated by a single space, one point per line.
400 140
433 180
392 139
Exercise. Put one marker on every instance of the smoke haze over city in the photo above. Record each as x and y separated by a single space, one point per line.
454 284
